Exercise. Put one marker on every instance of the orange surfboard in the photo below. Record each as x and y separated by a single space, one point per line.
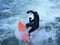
21 29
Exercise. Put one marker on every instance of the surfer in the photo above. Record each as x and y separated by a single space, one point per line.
33 23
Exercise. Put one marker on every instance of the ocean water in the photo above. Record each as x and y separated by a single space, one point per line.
13 11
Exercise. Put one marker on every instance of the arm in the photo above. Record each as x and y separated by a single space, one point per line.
31 20
30 11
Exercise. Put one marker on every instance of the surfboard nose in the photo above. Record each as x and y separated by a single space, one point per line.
21 26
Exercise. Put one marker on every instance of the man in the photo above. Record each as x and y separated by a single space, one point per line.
34 24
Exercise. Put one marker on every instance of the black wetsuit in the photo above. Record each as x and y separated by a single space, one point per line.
34 24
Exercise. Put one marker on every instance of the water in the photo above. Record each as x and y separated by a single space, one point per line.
48 32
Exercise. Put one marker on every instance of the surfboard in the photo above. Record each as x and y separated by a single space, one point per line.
24 35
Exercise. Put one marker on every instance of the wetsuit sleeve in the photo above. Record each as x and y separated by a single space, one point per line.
31 20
